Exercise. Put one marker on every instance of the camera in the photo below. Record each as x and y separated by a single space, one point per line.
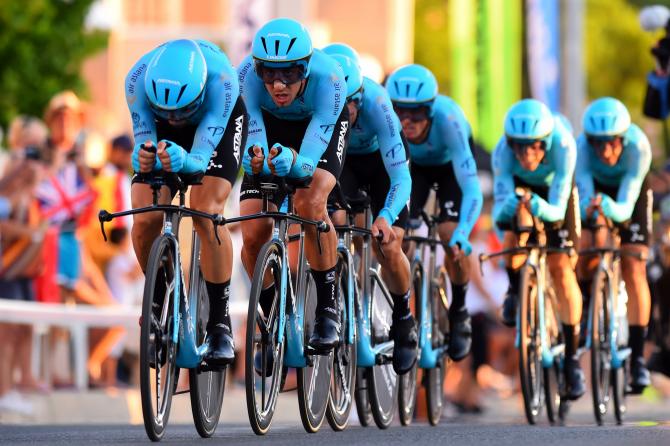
33 153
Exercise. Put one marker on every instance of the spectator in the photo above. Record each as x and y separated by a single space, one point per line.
21 237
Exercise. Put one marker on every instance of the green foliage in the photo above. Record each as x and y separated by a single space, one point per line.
431 39
616 52
42 46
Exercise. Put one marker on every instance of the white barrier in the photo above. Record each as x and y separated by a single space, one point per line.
78 319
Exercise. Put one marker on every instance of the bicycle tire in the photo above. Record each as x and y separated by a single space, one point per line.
407 383
529 364
619 378
343 384
600 347
262 411
382 379
206 387
163 356
314 379
361 396
552 375
434 382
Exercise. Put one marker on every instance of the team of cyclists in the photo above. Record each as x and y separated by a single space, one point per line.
291 110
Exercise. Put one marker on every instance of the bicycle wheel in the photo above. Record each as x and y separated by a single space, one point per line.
343 382
530 367
601 356
313 379
361 395
552 375
158 371
206 387
407 385
619 379
434 383
262 388
382 379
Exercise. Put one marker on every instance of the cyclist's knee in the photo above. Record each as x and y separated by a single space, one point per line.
147 223
559 266
254 234
311 206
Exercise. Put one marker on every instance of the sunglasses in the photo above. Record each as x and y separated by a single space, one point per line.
286 75
414 114
521 146
356 98
599 143
180 114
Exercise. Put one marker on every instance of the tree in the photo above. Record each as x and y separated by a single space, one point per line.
43 44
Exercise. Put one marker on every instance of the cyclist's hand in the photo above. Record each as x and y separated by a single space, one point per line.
511 205
606 205
459 244
414 223
171 155
281 160
381 226
253 165
144 160
594 206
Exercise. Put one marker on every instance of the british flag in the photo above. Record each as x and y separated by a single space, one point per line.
65 195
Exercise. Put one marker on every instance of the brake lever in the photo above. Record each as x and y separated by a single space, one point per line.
104 216
217 220
379 239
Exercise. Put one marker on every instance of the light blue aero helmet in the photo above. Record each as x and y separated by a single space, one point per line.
342 49
352 75
282 43
175 80
529 120
605 118
412 85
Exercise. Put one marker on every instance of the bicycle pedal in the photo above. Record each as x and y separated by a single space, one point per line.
383 358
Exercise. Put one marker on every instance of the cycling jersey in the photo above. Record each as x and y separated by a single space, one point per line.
556 171
377 129
212 118
448 141
322 102
628 174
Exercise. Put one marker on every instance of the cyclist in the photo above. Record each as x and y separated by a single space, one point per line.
438 136
613 160
298 128
184 101
538 153
377 161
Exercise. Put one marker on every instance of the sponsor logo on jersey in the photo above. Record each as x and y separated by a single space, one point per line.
344 125
237 138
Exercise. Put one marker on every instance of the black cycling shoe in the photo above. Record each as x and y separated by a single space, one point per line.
574 377
326 334
509 310
639 376
221 347
269 363
405 344
460 336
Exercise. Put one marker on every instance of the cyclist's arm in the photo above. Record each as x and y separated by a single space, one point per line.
144 125
564 160
455 131
394 155
583 175
252 89
503 182
638 162
328 102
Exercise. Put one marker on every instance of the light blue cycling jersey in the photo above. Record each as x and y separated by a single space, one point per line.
449 141
628 173
556 171
221 93
322 101
377 128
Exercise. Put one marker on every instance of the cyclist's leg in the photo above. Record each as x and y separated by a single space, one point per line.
147 226
420 189
564 281
635 237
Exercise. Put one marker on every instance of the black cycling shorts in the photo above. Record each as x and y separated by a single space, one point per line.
449 194
290 134
560 234
368 172
225 160
638 229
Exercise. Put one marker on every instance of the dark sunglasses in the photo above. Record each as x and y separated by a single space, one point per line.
600 142
285 75
414 114
521 146
180 114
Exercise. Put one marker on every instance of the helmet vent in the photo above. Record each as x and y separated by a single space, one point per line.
419 88
406 89
167 94
290 45
264 46
153 83
181 92
276 47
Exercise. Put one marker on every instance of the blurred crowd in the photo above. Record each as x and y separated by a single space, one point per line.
54 177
